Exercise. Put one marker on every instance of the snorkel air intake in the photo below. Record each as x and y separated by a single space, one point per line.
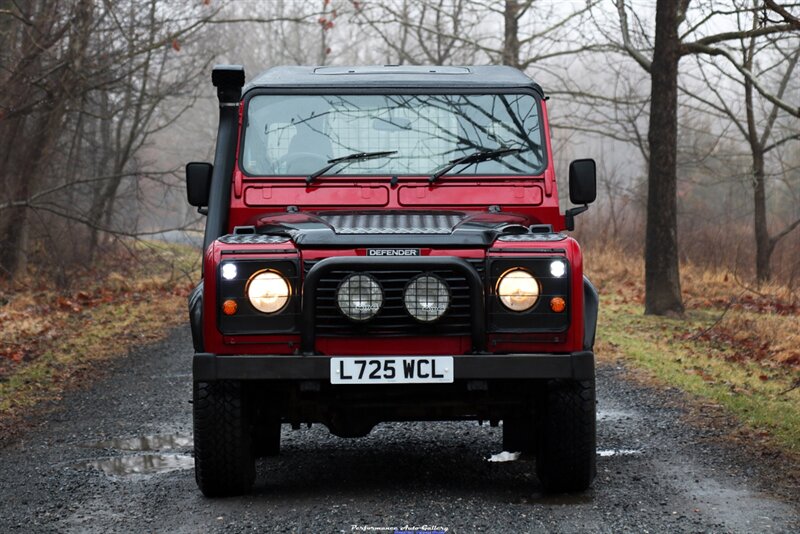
229 80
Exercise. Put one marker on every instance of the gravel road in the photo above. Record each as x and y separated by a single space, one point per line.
117 457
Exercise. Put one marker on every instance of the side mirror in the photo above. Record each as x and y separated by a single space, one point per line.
582 181
582 188
198 183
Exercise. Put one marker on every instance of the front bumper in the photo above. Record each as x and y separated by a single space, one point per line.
577 365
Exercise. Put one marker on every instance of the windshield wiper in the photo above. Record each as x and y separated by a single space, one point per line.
348 158
475 157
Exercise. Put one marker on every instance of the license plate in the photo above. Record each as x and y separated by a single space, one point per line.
392 370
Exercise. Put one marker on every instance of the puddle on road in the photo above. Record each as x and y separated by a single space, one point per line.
159 457
162 442
142 464
614 415
618 452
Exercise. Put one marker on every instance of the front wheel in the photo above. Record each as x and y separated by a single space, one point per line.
224 463
566 455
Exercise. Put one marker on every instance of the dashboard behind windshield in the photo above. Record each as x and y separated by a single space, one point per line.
290 135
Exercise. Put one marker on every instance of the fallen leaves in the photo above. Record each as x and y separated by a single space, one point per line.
702 373
126 301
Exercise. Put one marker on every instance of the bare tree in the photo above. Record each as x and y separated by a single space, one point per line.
777 60
81 89
662 275
423 31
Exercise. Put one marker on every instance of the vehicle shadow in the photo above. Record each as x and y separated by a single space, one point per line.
397 459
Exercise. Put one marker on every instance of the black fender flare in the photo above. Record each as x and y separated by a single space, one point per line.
591 305
196 316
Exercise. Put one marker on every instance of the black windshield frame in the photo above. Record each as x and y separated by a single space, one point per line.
348 90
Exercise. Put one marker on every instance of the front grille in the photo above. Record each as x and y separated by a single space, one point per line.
393 319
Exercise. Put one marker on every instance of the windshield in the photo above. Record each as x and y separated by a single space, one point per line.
298 134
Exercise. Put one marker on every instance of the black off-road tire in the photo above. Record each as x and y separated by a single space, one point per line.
566 436
224 463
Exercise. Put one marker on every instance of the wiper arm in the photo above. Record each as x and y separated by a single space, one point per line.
348 158
475 157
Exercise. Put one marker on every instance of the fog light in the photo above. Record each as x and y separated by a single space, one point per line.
557 304
359 297
229 307
427 298
558 268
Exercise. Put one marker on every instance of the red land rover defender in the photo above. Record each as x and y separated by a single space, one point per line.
385 244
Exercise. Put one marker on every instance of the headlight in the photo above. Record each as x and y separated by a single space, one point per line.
427 298
517 289
268 291
359 297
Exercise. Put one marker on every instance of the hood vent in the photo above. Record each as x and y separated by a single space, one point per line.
393 223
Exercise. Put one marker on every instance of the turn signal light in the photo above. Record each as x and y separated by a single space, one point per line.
557 304
229 307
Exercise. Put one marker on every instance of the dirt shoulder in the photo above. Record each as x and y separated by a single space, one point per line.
55 341
735 348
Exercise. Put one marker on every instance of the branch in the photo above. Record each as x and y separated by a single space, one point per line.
781 91
29 201
786 139
694 47
712 51
780 10
640 58
783 233
100 228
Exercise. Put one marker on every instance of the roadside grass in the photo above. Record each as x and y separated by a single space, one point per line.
736 347
51 341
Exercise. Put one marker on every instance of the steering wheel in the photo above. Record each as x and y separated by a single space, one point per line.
306 161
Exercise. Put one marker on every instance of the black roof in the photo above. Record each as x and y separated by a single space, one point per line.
394 76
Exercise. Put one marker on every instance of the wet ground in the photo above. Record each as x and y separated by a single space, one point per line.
117 458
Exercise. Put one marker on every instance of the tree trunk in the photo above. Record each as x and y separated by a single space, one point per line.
511 41
662 274
764 245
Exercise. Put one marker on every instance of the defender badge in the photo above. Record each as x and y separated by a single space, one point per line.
392 252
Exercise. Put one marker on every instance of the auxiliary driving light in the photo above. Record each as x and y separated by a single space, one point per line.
268 291
228 271
427 298
359 297
558 268
517 289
